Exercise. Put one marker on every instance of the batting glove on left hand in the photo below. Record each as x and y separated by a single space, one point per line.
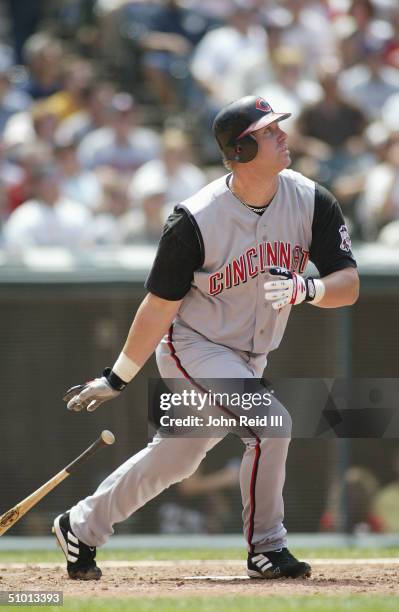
291 288
93 393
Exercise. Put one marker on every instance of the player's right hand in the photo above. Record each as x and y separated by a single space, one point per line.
90 395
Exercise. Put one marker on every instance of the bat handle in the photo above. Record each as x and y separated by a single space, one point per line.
106 438
8 519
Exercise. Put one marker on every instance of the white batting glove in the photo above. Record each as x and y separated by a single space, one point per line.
94 393
292 289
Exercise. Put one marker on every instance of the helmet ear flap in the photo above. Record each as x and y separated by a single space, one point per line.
245 149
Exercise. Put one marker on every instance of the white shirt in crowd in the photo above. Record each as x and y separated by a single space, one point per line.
381 180
313 36
367 90
251 71
218 52
83 187
37 224
177 187
100 148
291 100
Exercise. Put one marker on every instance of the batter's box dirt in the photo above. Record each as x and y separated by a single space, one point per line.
188 578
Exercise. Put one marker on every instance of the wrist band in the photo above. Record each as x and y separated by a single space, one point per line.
320 290
315 289
125 368
113 380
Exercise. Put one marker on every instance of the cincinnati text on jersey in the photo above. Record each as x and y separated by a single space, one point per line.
255 261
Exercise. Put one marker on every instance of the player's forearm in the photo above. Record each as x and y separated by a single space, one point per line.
341 289
151 322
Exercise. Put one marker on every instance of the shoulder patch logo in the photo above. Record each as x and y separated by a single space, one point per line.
346 243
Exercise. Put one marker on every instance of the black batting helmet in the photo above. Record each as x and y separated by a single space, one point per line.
235 122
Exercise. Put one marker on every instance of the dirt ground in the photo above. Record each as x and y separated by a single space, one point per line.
205 578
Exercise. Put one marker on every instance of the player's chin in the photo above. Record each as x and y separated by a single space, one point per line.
286 158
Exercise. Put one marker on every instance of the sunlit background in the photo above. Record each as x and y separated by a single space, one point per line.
106 109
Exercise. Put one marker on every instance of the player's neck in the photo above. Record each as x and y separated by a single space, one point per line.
253 191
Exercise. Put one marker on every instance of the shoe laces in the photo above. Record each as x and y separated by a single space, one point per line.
87 554
282 556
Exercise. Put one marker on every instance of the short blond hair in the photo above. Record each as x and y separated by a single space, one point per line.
228 164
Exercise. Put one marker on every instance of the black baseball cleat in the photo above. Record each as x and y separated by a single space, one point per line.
81 564
277 564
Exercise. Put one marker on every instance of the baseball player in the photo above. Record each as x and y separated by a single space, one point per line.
228 269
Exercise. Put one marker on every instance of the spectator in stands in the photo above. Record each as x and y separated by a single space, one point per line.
122 144
76 75
308 30
386 502
217 11
219 50
360 487
150 211
44 121
392 49
112 222
253 69
117 222
48 219
12 100
122 24
349 185
370 83
212 67
328 133
355 27
28 157
42 55
175 31
94 114
76 21
289 88
253 46
174 168
38 123
10 173
76 183
378 205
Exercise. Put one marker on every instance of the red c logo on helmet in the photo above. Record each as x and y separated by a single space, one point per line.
262 105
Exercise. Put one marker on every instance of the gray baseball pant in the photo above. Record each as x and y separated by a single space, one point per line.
184 353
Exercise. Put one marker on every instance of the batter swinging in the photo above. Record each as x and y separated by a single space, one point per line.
227 271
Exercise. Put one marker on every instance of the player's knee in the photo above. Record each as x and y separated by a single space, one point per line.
193 459
279 422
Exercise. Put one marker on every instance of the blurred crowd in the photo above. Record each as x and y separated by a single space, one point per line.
371 506
106 108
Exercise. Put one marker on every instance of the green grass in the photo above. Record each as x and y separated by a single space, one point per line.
36 556
361 603
311 603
